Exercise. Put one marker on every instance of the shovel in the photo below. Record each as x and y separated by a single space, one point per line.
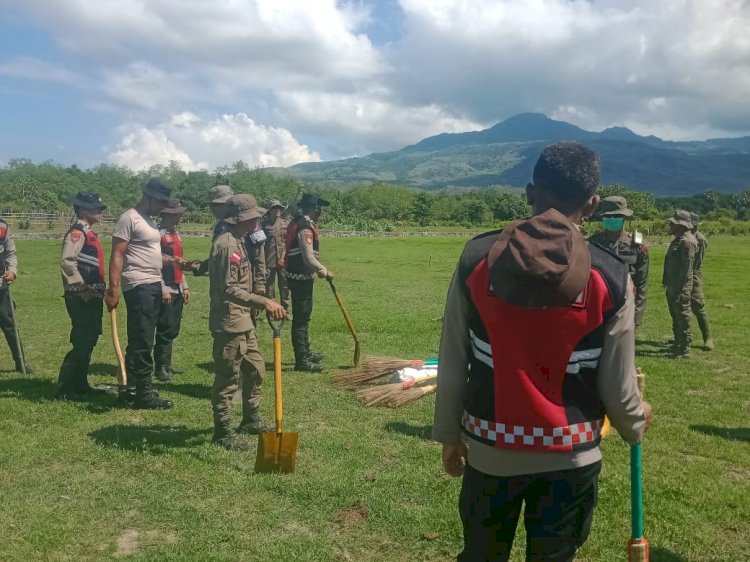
348 320
277 452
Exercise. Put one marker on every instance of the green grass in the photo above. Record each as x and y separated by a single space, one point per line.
91 482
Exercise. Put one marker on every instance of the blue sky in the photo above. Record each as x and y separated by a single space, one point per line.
276 82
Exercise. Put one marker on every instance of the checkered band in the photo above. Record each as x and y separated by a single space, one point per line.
565 436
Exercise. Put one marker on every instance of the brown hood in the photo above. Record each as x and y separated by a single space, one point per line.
540 262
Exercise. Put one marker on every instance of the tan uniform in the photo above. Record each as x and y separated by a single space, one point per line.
235 348
275 248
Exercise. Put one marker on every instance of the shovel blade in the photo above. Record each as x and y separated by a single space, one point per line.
277 452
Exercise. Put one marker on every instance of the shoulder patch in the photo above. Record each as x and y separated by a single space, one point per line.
644 249
75 236
235 258
3 232
308 236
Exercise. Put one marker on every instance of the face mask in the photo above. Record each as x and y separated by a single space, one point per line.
613 224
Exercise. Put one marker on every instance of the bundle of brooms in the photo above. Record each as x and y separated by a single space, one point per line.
390 395
372 368
397 394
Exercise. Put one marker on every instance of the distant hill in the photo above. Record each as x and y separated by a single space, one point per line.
505 154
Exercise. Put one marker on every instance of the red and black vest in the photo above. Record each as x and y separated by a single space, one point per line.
171 245
3 236
532 381
294 266
90 260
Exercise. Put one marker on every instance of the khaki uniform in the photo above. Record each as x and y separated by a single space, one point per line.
697 300
235 348
8 262
275 248
678 281
635 255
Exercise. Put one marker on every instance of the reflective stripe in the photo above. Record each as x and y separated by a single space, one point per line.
482 350
582 354
567 435
90 260
583 359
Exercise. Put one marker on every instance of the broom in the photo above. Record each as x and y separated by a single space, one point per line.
379 394
410 395
373 367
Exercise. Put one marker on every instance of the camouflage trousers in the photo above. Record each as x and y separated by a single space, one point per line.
237 359
678 301
698 306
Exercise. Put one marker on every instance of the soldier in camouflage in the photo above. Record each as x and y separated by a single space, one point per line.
697 301
628 247
678 280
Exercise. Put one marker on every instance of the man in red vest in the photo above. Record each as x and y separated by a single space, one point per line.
537 346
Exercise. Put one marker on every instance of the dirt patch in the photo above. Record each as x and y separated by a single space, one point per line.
127 543
351 516
131 541
739 474
297 528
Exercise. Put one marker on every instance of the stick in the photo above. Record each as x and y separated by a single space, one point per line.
19 349
348 321
123 378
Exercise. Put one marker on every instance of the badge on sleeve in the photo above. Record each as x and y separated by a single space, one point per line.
308 237
75 236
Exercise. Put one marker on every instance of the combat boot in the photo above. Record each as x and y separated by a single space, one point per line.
163 374
152 401
708 344
307 366
230 440
315 356
252 425
126 396
70 395
175 371
680 353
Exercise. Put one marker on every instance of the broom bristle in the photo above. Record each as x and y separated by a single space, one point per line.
410 395
373 367
381 393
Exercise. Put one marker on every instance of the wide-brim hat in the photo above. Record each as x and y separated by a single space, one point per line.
157 189
275 203
173 208
682 218
88 200
312 200
243 207
540 262
220 194
614 206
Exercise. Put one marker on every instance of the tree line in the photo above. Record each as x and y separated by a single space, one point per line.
30 187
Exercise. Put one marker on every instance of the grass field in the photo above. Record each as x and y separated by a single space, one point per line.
93 482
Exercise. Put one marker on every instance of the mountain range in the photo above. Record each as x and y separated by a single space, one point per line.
504 155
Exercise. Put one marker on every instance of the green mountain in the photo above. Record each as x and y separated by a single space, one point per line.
505 154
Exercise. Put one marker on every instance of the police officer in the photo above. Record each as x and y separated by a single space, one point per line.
302 266
82 268
697 300
8 273
175 287
630 248
275 227
678 280
219 194
235 346
136 265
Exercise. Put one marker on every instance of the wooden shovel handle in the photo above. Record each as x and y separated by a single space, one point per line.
278 402
123 378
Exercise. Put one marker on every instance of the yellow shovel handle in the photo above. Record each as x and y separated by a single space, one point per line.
118 350
279 406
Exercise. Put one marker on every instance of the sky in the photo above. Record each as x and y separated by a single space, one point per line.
278 82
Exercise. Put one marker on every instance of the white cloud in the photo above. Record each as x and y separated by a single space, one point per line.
32 68
196 143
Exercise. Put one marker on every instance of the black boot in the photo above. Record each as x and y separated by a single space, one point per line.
175 371
307 366
126 396
224 436
253 425
163 374
316 356
146 398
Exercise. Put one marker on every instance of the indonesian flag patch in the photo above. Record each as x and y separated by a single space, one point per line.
235 258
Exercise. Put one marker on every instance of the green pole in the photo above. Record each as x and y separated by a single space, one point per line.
636 492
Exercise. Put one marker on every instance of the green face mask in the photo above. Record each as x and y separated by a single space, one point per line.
613 224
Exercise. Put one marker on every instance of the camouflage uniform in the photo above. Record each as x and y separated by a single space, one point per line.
629 248
697 301
678 281
235 347
635 255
